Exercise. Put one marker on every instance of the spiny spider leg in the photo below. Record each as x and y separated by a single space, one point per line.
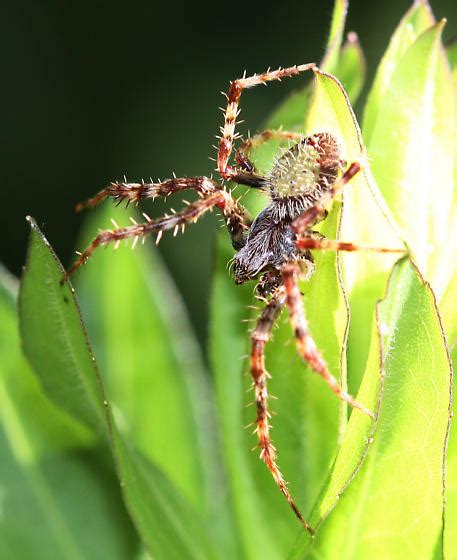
259 337
134 192
236 217
302 224
233 98
220 198
318 211
305 344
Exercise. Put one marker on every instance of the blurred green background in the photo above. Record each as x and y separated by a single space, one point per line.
95 90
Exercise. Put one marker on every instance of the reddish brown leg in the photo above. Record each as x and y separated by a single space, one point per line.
259 337
301 226
219 198
317 211
232 111
305 344
134 192
329 244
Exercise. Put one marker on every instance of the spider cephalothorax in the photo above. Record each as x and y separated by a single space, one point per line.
274 248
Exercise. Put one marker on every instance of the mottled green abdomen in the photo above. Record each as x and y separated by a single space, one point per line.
307 168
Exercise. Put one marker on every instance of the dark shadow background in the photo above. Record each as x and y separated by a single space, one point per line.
93 90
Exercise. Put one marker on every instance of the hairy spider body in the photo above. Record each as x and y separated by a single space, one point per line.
274 247
298 180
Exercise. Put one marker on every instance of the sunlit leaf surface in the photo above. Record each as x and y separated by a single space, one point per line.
365 220
448 308
400 484
416 20
413 161
450 524
351 68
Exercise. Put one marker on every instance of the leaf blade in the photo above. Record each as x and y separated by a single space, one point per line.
401 482
351 68
46 465
151 363
85 402
412 158
145 489
365 220
416 20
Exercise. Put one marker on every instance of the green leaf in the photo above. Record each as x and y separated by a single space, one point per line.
331 59
35 426
365 220
416 155
42 476
416 20
170 527
165 520
151 364
448 303
64 506
448 310
57 322
351 68
450 522
354 448
451 51
394 506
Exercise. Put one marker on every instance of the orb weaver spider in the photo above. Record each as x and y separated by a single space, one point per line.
272 249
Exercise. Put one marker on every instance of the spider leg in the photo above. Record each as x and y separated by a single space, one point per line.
307 239
219 198
135 192
236 217
332 245
317 212
305 344
232 111
259 337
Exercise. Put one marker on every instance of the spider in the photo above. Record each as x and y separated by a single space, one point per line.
273 249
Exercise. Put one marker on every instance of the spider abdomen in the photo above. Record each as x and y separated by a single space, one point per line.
306 169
